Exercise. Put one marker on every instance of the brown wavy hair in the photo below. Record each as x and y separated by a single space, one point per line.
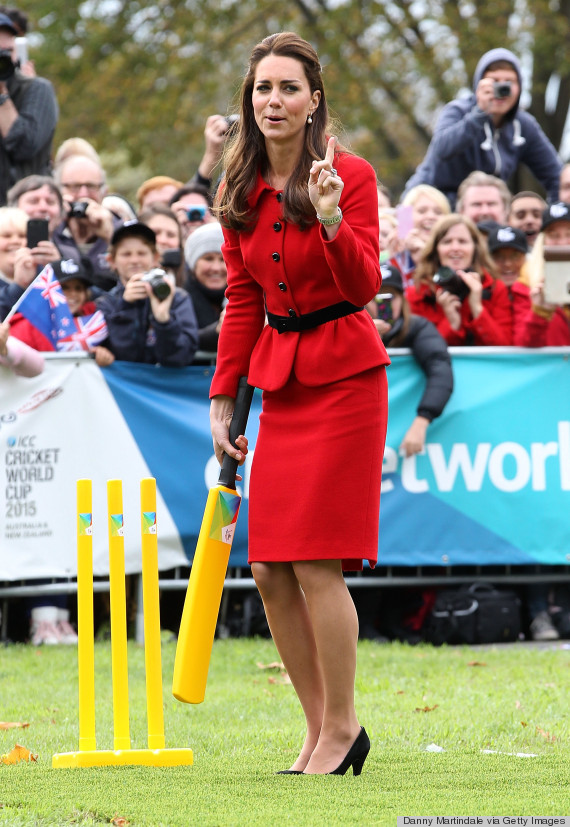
246 152
429 262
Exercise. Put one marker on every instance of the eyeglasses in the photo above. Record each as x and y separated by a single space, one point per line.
75 188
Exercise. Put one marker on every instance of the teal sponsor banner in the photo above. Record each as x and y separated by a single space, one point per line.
493 484
491 488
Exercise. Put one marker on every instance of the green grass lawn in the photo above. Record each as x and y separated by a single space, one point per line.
507 699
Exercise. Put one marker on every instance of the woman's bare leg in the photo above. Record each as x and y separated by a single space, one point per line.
335 628
291 629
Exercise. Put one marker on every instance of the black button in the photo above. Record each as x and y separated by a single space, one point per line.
291 312
279 197
275 256
282 286
277 226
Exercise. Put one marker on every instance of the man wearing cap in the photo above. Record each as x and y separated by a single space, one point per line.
28 116
488 131
148 318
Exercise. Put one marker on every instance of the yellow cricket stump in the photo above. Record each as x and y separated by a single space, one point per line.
122 755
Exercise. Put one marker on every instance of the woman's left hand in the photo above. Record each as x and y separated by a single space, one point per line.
475 285
325 186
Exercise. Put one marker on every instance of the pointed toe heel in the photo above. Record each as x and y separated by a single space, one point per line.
356 755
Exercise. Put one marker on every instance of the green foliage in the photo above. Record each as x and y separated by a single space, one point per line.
140 78
509 699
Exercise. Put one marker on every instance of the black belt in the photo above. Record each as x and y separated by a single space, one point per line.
307 321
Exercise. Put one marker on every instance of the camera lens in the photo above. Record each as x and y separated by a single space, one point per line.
502 88
159 286
7 65
196 213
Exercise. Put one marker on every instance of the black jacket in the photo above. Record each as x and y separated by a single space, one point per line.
136 336
430 351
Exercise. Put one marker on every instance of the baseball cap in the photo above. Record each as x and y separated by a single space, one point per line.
135 229
7 23
67 269
555 212
391 277
507 237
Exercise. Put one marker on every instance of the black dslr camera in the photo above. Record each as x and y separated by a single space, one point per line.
158 283
7 65
78 209
502 88
447 279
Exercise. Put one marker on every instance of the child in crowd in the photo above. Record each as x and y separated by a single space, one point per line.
148 318
75 283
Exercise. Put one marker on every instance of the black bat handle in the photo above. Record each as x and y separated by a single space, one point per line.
237 427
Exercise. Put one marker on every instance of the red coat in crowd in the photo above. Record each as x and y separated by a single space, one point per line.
492 327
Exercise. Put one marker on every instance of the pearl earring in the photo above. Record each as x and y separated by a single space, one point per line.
310 118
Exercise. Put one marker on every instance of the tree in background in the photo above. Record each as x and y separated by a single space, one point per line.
138 79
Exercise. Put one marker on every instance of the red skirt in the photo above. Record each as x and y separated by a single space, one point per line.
315 480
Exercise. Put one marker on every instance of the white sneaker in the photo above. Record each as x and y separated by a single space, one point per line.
67 633
542 628
43 628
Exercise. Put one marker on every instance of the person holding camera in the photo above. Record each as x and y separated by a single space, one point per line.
148 318
87 227
192 206
455 288
488 131
28 115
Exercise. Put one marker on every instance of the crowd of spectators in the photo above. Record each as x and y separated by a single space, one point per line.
463 257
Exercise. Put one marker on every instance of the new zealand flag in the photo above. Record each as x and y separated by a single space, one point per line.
45 306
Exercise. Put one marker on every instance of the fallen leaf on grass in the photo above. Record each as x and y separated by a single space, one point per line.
13 725
120 821
524 723
17 753
400 692
518 705
546 735
284 680
426 708
476 663
274 665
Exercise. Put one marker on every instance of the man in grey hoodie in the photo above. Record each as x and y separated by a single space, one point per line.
488 131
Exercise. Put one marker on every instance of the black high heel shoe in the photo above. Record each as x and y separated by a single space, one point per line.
289 772
356 755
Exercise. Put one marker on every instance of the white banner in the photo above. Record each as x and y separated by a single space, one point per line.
56 428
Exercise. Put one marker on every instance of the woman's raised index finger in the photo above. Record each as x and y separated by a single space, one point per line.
329 156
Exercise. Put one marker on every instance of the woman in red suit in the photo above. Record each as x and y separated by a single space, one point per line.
469 306
300 218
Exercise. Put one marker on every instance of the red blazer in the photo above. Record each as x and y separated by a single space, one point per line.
278 266
533 329
493 326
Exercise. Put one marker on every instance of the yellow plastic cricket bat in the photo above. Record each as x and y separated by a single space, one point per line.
209 567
